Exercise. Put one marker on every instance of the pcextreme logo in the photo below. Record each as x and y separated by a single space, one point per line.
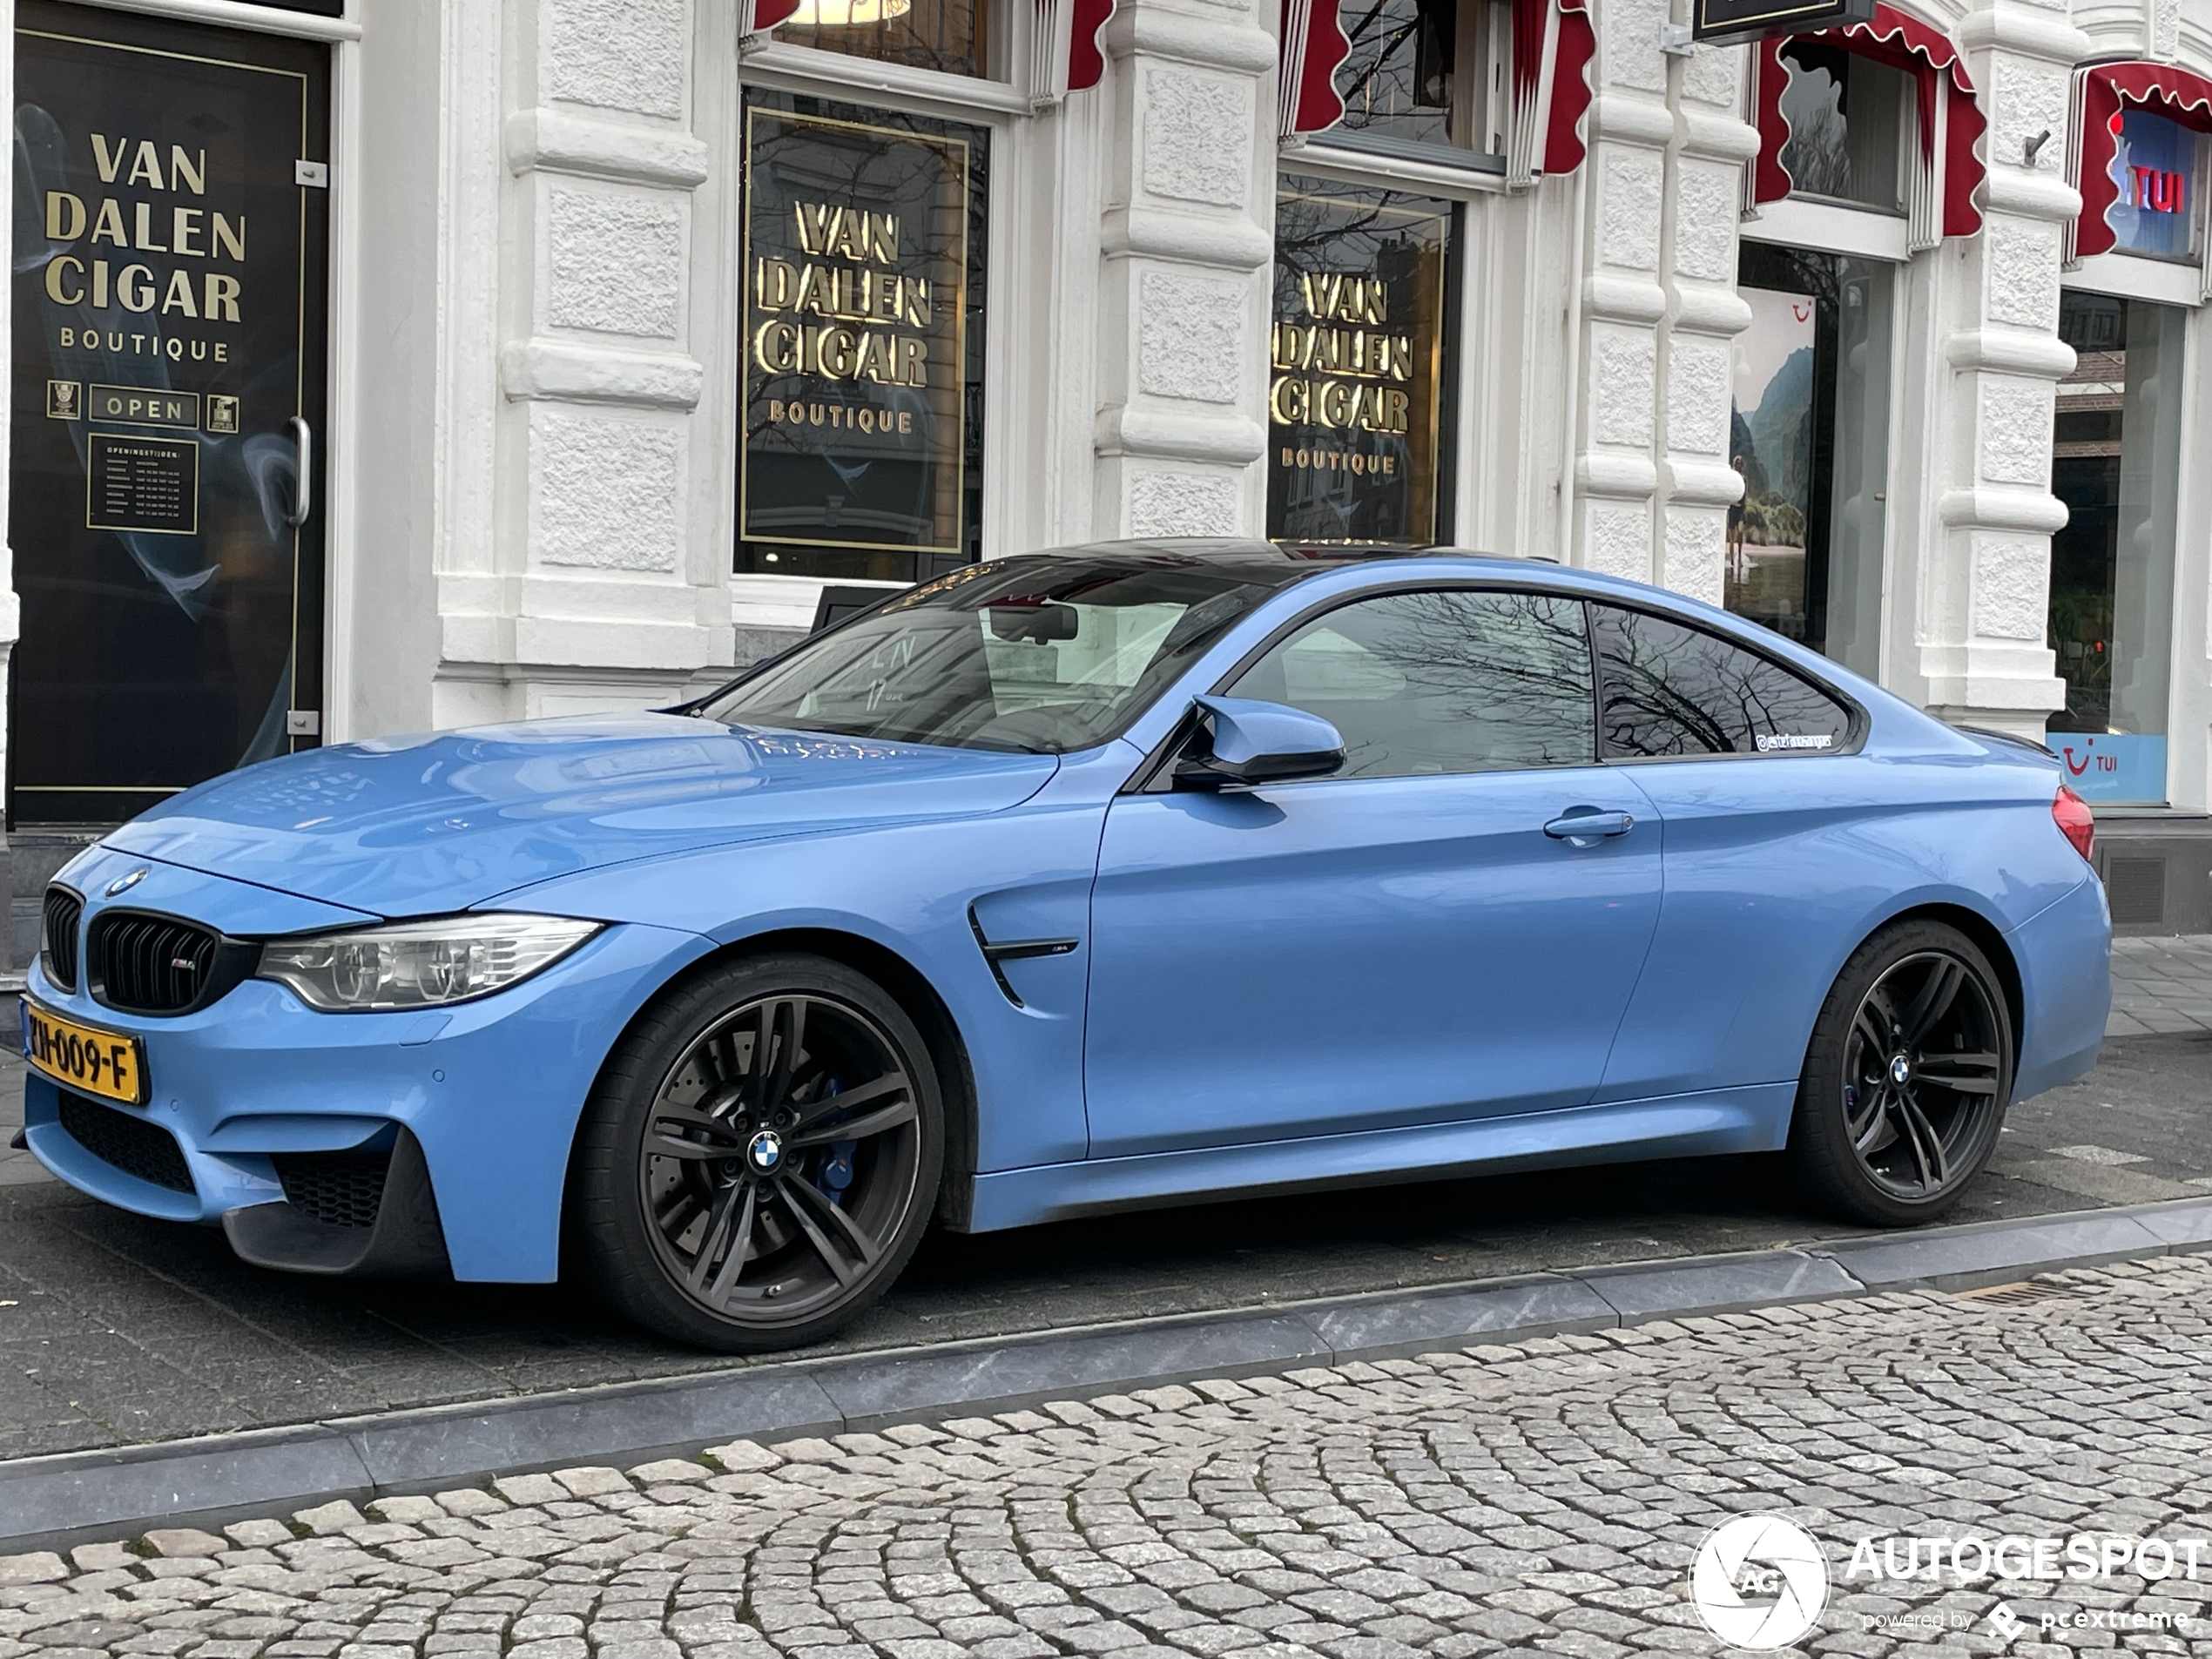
1759 1581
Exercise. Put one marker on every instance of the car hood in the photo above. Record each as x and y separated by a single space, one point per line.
419 826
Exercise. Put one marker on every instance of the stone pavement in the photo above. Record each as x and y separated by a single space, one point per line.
2160 985
1547 1497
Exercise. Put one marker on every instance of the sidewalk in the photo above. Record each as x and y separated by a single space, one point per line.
1547 1496
2160 985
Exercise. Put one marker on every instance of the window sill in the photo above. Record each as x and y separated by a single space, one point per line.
1359 161
810 69
759 599
1830 227
2136 276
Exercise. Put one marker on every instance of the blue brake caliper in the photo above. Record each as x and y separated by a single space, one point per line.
836 1171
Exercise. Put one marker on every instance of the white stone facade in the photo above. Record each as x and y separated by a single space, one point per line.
535 424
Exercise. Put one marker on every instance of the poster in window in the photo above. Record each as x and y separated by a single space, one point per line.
1770 428
861 380
168 306
2153 164
1357 363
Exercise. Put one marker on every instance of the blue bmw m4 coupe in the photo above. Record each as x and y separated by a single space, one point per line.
1129 875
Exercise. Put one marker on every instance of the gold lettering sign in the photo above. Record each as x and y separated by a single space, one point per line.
856 370
103 237
1355 357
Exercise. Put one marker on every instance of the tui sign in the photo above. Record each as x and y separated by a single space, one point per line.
1729 21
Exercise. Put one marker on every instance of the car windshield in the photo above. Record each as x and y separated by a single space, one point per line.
1038 655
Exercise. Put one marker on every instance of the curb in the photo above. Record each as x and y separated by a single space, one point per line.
77 1497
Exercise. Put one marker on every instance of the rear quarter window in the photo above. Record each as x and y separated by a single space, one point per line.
1668 689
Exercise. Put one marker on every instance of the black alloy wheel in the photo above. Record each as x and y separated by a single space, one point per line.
761 1156
1907 1078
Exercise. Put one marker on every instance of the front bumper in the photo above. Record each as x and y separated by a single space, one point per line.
464 1117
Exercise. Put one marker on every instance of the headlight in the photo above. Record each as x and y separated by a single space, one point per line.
420 964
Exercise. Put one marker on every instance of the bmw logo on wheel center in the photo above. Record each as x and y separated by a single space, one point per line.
765 1152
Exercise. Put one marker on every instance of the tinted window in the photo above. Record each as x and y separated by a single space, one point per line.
1675 690
1042 654
1441 682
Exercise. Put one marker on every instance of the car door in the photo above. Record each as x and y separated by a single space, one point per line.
1404 942
1769 858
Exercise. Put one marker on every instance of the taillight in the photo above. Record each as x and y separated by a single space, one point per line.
2074 821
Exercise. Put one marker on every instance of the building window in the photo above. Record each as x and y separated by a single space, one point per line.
949 35
1358 445
2116 464
863 371
1808 431
1847 119
2154 165
1425 73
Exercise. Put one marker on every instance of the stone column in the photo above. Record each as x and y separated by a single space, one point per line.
1986 588
1704 313
605 579
1616 476
1184 272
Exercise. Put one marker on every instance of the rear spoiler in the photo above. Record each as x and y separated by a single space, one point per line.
2013 738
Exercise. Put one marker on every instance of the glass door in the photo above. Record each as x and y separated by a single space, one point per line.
2116 464
170 275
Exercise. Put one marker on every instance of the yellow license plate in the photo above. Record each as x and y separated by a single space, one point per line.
98 1062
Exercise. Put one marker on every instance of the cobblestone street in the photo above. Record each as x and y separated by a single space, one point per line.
1546 1497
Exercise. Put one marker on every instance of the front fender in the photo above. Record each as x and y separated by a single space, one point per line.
910 889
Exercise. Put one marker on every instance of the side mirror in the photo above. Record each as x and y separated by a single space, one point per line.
1244 742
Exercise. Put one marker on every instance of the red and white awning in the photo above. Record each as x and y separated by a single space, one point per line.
757 16
1939 197
1553 44
1069 57
2102 94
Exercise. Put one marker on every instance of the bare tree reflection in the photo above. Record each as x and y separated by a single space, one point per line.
1447 681
1675 690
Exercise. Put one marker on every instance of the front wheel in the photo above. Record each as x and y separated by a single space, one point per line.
1906 1080
761 1155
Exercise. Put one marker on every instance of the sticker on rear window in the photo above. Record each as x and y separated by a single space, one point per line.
1795 740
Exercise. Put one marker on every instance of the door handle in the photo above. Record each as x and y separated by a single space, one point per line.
1586 829
303 489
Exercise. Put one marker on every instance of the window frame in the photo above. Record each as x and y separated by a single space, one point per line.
783 600
1904 138
1485 40
1854 736
1283 635
1453 397
1154 775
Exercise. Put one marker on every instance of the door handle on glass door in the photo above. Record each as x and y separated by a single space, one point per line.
1586 827
303 490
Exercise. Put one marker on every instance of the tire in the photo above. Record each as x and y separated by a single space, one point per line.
1906 1080
711 1197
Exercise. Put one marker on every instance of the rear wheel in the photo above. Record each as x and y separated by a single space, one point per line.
1907 1077
761 1155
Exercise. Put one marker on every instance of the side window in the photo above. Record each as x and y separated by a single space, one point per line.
1449 681
1671 690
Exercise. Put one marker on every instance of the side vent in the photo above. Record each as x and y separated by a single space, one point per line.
1014 950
